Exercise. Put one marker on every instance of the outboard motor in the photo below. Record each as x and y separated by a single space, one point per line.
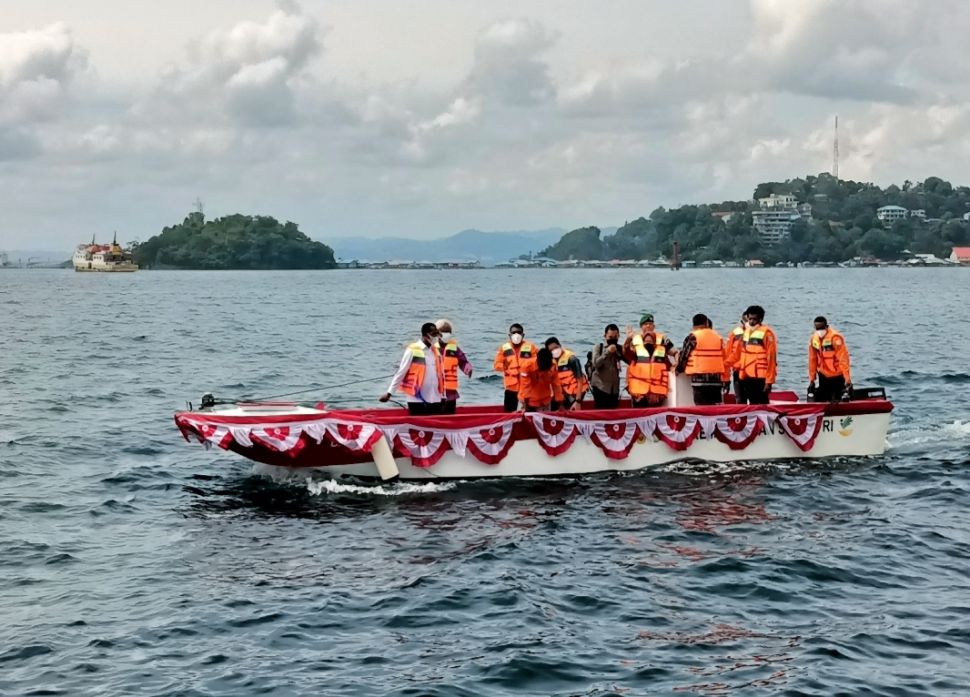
867 393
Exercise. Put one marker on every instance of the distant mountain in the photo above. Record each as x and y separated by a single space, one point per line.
467 245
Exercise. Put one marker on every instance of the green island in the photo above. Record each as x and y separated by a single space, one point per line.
817 219
232 242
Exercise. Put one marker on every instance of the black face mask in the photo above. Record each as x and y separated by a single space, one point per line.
612 342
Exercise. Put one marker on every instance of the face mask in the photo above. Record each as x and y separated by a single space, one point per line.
516 338
821 333
557 353
445 336
612 342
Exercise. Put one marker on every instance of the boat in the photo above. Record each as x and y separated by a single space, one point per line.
103 257
484 441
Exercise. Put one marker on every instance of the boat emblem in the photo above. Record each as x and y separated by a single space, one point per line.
845 425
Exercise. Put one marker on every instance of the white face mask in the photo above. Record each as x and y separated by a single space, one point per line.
556 353
821 333
445 337
516 338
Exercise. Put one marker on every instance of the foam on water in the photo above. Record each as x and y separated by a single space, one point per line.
319 487
919 436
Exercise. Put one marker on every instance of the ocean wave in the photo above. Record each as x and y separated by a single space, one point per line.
911 376
489 378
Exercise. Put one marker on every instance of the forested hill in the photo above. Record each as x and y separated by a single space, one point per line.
842 225
233 242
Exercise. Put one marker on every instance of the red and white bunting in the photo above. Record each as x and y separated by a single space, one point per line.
803 430
490 445
556 434
425 447
240 434
739 431
210 434
355 436
284 438
615 438
678 430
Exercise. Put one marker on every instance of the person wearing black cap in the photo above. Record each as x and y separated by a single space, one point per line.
648 354
756 359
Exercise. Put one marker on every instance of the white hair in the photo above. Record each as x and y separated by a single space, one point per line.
442 322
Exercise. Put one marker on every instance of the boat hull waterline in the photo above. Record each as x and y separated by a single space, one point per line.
486 442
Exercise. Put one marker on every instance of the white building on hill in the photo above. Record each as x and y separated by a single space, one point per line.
774 219
890 214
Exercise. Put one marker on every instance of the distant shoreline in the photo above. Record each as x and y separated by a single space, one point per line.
534 268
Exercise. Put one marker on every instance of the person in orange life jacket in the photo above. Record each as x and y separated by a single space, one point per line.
572 377
828 358
756 357
540 388
512 360
453 359
648 355
605 361
420 376
703 358
734 349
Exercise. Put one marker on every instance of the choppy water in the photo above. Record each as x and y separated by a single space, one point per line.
133 563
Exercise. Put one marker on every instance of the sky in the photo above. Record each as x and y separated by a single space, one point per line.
384 118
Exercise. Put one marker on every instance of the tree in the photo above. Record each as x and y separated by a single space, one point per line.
233 242
843 226
582 243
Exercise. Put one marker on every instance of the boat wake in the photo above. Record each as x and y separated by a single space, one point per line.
917 437
326 487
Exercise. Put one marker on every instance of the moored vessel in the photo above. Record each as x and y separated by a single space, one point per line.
103 257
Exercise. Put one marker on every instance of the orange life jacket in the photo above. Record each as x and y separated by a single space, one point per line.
648 373
540 387
414 378
707 356
449 361
567 378
735 341
755 361
513 363
829 355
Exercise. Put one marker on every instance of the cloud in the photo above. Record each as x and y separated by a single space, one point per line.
248 74
540 126
844 49
36 70
508 64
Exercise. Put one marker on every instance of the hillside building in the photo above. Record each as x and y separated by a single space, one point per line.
890 214
775 216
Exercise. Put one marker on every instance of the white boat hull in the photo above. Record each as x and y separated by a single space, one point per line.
526 458
484 442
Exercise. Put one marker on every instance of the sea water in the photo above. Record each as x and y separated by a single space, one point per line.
134 563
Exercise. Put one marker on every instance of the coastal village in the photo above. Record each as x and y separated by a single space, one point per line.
772 217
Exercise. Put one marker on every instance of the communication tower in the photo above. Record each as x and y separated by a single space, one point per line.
835 151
